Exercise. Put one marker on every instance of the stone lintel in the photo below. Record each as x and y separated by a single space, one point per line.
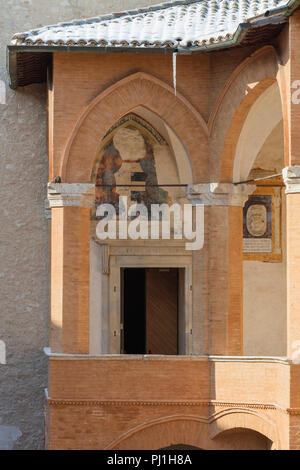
291 178
71 194
220 194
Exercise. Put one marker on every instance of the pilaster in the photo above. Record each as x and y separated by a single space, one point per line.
291 177
70 247
221 262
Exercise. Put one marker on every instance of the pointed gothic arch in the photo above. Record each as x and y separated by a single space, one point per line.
139 89
244 87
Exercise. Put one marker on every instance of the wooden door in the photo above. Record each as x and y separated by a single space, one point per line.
161 311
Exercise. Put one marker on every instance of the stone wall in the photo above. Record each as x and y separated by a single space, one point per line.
24 228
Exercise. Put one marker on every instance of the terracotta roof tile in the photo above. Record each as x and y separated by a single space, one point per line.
179 23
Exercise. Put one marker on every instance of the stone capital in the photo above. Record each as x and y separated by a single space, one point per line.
220 194
71 194
291 178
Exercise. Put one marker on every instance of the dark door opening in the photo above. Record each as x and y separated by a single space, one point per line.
150 311
134 311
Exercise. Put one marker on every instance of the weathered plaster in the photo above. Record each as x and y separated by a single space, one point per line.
2 352
8 436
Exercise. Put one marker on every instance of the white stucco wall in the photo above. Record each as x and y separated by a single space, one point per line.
265 313
265 303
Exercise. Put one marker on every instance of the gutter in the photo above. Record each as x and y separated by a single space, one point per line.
161 50
289 8
277 15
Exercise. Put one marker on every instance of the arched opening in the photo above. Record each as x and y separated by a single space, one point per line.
230 431
136 158
243 88
260 155
139 161
242 439
157 99
263 118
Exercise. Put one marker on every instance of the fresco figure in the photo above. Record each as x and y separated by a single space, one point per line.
111 162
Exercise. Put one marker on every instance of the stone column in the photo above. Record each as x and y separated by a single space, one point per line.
70 266
222 272
291 176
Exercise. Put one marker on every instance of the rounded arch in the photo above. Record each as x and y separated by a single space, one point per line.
195 431
263 117
246 84
164 432
246 419
139 89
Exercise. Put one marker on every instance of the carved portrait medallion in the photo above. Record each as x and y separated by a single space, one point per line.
256 220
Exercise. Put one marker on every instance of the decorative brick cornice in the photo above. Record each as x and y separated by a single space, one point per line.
71 194
291 178
293 411
62 402
220 194
157 403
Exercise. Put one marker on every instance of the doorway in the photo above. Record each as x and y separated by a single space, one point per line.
150 310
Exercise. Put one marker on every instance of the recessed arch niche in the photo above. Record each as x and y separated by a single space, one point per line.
259 154
141 152
264 116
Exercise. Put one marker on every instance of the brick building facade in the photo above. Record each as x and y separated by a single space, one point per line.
153 345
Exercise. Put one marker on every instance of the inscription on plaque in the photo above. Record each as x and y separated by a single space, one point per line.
258 224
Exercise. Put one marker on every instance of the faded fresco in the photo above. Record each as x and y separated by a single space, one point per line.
126 166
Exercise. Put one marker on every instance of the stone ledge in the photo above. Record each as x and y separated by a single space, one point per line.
154 357
71 194
291 178
220 194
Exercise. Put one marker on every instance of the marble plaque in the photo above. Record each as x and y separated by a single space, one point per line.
258 224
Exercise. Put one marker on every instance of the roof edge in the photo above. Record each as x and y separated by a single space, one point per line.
274 16
120 14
